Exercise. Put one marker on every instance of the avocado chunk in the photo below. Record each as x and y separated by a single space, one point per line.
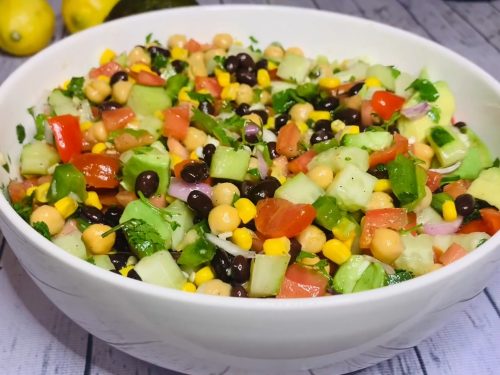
146 100
486 186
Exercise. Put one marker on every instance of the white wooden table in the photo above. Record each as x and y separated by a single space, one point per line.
36 338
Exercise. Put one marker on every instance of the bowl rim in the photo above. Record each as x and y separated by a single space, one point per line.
391 291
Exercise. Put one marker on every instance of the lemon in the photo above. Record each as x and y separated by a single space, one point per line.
26 26
82 14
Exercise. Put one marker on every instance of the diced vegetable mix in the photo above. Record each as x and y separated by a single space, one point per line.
226 170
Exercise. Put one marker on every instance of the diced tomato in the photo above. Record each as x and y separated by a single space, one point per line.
491 217
474 226
412 221
105 70
149 79
176 122
394 218
433 180
208 83
17 190
117 118
299 164
278 217
453 253
302 282
193 46
287 143
400 146
67 135
385 104
100 170
457 188
175 147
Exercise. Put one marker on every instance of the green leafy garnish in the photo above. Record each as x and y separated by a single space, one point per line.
253 39
21 133
40 121
42 228
395 72
201 97
24 208
6 167
174 85
399 276
425 88
200 250
75 88
434 114
159 62
148 38
211 126
407 181
441 136
496 163
220 61
308 91
165 215
284 100
304 255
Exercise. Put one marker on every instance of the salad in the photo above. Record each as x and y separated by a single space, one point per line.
225 169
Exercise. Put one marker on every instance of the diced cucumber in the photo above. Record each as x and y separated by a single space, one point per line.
428 216
294 68
182 216
352 188
103 261
235 49
374 277
160 269
447 145
417 128
277 86
229 163
146 100
417 256
299 189
372 141
267 274
349 273
485 187
470 241
72 243
152 125
340 157
62 104
37 157
384 74
401 83
355 72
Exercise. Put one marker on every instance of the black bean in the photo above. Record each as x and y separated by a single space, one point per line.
460 124
325 125
295 248
348 116
112 216
238 291
328 104
246 188
271 146
464 204
155 50
240 269
231 64
178 65
221 263
109 106
281 121
393 129
321 136
243 109
132 274
200 202
195 172
261 64
380 171
250 225
147 183
206 107
245 60
262 114
208 152
119 260
355 89
264 189
92 214
118 76
244 76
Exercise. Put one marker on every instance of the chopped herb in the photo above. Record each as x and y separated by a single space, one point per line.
411 230
395 72
165 215
303 255
496 163
149 37
6 167
211 126
336 70
201 97
220 61
399 276
308 91
75 88
235 198
435 114
254 172
352 79
395 117
441 136
42 228
24 208
253 39
40 121
425 88
159 62
284 100
234 123
21 133
91 260
482 241
82 224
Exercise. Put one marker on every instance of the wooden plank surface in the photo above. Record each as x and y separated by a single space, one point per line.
36 338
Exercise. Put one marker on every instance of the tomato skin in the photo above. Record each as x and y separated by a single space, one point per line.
176 122
117 118
149 79
17 189
385 104
208 83
491 217
456 188
105 70
400 146
67 135
300 163
287 143
302 282
193 46
453 253
394 218
433 180
100 171
474 226
278 217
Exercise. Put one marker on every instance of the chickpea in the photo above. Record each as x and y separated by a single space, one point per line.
93 240
312 239
426 200
322 175
97 90
379 199
245 94
197 64
222 40
294 51
224 193
423 152
300 112
194 138
138 55
215 287
177 40
211 53
50 216
265 97
223 218
274 52
121 91
386 245
98 132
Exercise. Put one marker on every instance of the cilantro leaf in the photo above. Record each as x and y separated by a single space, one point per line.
24 208
75 88
399 276
159 62
40 121
395 72
284 100
434 114
211 126
42 228
425 88
21 133
201 97
220 61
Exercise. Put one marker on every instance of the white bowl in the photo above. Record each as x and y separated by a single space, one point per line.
203 334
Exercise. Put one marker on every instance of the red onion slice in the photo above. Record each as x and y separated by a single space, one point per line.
443 228
230 247
180 189
416 111
446 170
262 165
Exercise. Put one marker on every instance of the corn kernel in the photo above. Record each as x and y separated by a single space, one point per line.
175 159
107 56
184 97
66 206
178 53
193 155
243 238
203 91
230 92
30 191
246 209
93 200
125 270
64 85
203 275
104 78
302 127
223 78
271 65
41 192
449 210
263 78
99 148
351 129
159 115
337 126
189 287
382 185
270 122
85 126
329 82
320 115
140 67
372 82
336 251
276 246
344 230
